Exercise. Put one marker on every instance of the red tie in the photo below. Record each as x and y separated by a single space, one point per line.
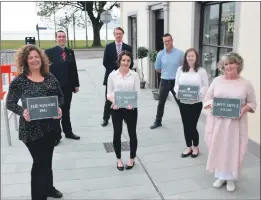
63 55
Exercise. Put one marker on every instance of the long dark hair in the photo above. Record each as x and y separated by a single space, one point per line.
124 53
185 67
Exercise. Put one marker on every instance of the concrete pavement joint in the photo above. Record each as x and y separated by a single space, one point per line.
147 173
92 82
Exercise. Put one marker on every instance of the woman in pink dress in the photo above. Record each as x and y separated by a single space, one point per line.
227 139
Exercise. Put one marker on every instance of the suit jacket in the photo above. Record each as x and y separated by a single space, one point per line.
57 64
110 58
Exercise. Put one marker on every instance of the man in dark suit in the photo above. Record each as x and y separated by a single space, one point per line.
110 58
63 67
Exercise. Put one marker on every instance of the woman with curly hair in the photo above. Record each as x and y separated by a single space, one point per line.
34 80
227 138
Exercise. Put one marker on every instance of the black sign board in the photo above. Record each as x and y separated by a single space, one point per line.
125 98
42 107
188 92
227 108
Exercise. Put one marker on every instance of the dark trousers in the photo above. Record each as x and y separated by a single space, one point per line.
190 114
166 86
66 121
107 107
130 116
41 151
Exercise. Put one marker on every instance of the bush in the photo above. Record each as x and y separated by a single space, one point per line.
142 52
153 56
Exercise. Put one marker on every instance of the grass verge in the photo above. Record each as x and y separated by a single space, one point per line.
44 44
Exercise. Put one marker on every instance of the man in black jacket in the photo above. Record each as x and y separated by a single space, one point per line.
110 58
63 67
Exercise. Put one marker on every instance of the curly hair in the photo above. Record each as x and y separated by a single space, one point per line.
22 60
231 57
124 53
185 66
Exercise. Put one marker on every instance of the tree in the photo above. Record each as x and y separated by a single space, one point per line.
64 23
93 9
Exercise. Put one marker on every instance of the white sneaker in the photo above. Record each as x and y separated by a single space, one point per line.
231 186
218 183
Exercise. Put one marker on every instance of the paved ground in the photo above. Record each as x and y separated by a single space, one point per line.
83 169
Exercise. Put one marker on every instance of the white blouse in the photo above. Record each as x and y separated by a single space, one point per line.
199 78
117 82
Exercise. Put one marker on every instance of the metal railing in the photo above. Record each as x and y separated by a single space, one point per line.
6 78
7 117
8 57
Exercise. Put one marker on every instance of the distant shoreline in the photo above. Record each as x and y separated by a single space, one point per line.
80 34
44 44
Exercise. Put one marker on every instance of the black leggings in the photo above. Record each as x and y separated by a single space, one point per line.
41 151
190 114
130 116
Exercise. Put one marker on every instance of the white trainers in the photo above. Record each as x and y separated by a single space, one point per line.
218 183
231 186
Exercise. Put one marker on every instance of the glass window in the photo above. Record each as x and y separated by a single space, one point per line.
209 61
133 27
223 51
211 18
134 47
134 36
217 34
227 24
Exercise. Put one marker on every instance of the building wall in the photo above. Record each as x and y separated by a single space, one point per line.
138 8
248 45
180 23
184 18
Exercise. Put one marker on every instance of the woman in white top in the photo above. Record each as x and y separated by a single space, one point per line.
124 79
191 74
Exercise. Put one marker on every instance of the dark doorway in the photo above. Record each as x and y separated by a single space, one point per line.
159 32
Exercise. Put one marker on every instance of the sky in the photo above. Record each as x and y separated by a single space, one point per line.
24 19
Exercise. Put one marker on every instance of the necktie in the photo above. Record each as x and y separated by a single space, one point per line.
63 55
118 49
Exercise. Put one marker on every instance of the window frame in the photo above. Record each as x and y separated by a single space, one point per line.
133 37
201 34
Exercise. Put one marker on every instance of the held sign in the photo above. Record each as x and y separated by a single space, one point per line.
42 107
188 92
227 108
125 98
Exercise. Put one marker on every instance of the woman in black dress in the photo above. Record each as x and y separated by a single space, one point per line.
34 80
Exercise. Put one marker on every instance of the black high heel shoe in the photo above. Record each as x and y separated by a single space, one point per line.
119 168
194 155
127 167
183 155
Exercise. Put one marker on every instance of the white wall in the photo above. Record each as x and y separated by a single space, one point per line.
181 16
248 45
142 28
181 25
